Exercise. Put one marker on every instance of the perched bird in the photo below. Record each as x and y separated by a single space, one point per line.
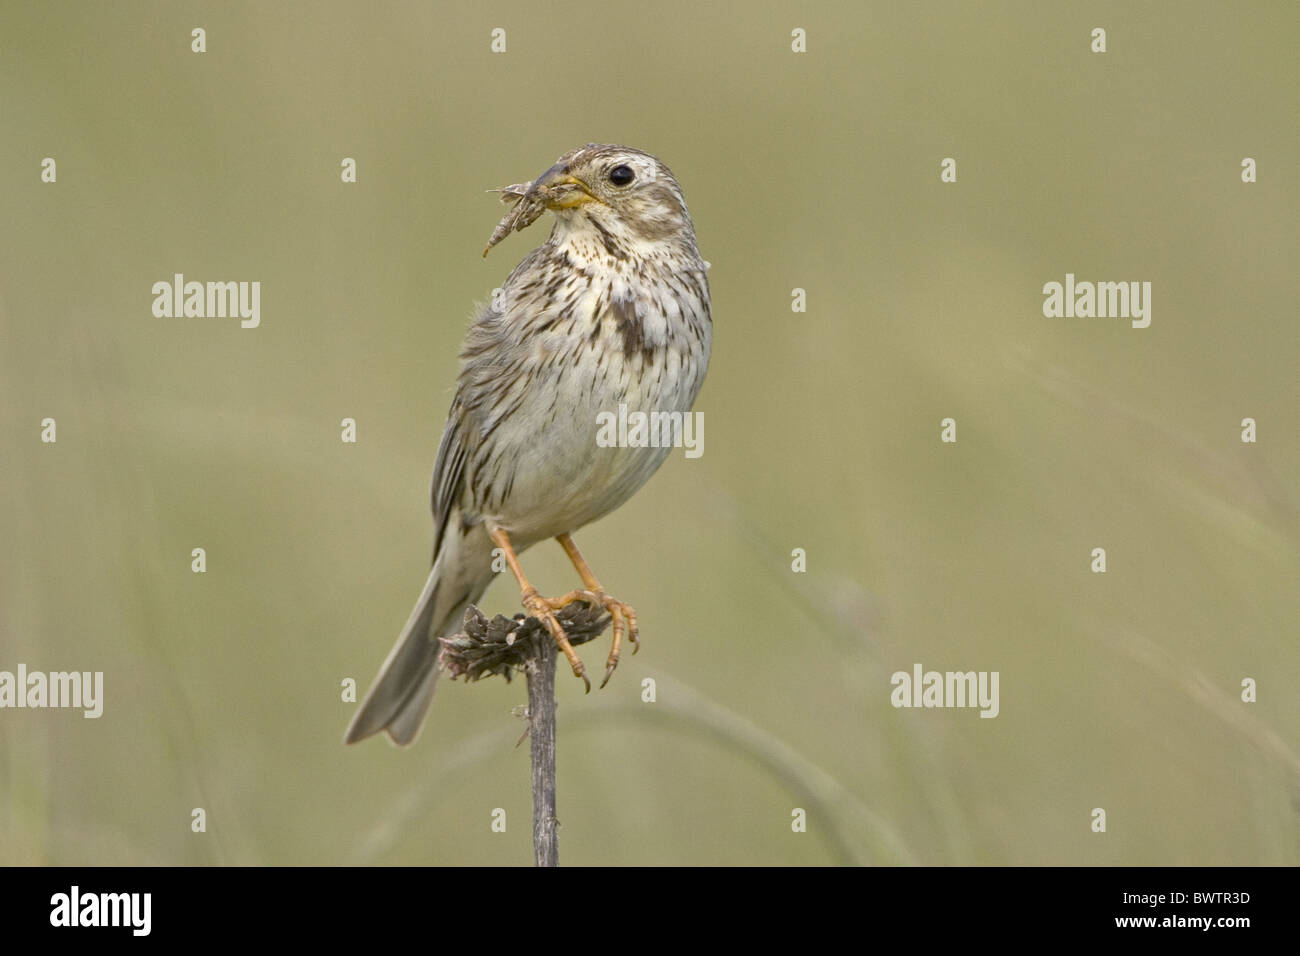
612 309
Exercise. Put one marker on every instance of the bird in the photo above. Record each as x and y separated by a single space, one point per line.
612 309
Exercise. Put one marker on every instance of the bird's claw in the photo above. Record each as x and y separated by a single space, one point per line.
543 609
621 615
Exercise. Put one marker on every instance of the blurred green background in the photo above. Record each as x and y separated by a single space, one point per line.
818 171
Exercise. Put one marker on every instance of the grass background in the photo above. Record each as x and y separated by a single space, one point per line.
818 171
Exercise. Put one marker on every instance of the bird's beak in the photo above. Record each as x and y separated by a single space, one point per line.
557 189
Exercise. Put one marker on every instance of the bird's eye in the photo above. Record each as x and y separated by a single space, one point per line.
621 175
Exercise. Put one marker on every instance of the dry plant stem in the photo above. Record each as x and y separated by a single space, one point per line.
540 672
502 646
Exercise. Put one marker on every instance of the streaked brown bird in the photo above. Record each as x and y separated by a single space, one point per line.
612 309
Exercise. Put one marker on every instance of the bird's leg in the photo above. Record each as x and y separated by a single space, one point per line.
621 614
543 608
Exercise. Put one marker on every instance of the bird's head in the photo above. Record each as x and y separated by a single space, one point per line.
620 197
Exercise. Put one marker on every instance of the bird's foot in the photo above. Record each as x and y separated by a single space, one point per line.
544 610
620 613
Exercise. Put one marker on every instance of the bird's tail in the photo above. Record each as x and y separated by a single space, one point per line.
399 698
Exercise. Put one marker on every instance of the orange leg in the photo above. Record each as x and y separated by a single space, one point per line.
542 608
621 614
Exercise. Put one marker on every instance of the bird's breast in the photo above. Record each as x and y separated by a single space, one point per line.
607 342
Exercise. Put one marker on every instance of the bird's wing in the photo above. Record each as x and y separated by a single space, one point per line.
482 401
476 388
448 469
